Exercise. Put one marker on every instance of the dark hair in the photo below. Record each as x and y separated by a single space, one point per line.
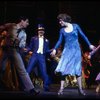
8 27
65 17
21 18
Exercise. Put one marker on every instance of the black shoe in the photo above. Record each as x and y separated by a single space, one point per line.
34 92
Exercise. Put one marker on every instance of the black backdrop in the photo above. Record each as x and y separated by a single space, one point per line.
85 13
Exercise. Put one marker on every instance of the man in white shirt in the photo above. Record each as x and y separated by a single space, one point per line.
39 45
22 24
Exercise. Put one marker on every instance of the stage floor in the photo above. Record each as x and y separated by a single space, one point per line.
69 93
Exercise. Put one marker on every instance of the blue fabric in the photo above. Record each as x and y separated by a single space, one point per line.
39 59
70 62
34 44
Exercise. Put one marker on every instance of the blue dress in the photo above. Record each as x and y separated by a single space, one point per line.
70 62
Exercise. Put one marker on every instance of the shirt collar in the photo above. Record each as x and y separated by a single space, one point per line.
41 36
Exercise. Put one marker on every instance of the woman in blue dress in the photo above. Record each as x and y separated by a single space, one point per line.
70 62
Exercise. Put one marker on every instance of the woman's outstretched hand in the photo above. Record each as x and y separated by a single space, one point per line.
53 52
92 47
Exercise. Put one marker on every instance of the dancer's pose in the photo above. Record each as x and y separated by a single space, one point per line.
70 62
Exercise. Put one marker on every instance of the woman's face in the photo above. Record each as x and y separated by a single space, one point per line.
61 22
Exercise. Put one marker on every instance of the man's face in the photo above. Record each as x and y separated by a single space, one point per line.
41 32
25 23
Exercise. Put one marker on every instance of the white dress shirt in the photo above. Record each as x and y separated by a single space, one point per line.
40 49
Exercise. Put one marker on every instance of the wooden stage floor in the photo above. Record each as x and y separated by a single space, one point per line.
69 93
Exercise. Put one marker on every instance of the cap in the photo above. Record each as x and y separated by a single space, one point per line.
41 27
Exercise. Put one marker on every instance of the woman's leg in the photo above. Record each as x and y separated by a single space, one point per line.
62 82
79 81
98 83
98 88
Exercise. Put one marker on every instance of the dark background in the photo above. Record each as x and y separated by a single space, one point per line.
84 13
